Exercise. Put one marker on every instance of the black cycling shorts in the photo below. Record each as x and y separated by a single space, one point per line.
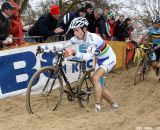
157 52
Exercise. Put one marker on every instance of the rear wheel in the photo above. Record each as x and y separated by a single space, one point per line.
86 89
142 70
44 91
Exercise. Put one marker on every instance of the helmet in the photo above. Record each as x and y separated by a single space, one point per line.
78 22
156 20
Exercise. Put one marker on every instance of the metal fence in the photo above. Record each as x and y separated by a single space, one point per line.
42 39
35 40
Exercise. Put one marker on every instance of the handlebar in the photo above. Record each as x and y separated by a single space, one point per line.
54 51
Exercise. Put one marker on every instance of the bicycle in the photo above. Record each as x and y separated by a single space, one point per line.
144 66
51 92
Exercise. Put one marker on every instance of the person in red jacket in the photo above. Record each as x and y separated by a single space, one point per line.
16 25
110 25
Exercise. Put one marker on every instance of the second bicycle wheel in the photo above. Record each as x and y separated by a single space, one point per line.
86 89
44 91
141 71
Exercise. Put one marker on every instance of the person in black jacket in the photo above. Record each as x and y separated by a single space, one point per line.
6 12
127 25
67 18
47 25
97 23
89 9
119 29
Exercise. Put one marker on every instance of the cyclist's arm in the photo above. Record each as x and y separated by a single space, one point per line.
88 55
157 47
57 47
141 39
144 35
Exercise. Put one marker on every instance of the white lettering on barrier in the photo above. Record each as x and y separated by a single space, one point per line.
21 78
19 64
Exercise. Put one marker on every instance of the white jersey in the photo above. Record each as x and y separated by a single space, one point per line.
95 46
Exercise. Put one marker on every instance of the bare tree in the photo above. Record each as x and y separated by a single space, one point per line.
144 10
66 5
29 16
1 1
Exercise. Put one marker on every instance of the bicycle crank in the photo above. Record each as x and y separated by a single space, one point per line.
70 98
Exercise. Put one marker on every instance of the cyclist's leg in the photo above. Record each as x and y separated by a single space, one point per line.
154 60
107 66
158 54
107 96
98 89
102 69
157 62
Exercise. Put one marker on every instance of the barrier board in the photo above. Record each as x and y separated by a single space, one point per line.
120 51
19 64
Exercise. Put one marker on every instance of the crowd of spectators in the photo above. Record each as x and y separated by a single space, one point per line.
101 21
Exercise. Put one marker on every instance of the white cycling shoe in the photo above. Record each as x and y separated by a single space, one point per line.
97 108
115 105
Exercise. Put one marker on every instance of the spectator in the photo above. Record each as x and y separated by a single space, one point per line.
66 20
89 9
128 28
119 29
110 25
107 13
47 25
5 15
16 24
97 23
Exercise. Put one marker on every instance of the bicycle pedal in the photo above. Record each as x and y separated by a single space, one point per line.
89 92
66 91
91 89
83 99
82 93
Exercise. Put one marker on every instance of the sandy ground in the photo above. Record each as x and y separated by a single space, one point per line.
139 109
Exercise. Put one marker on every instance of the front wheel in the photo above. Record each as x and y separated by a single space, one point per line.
86 89
44 90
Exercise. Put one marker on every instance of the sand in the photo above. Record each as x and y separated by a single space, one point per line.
139 109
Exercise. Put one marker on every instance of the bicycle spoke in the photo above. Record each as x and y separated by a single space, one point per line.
86 90
46 94
139 72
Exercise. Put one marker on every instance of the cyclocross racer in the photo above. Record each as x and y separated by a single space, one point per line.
97 47
154 33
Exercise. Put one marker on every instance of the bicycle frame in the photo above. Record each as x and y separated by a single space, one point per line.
147 56
143 66
55 73
59 66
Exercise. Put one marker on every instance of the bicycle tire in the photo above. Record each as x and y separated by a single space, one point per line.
86 89
39 97
146 69
139 71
